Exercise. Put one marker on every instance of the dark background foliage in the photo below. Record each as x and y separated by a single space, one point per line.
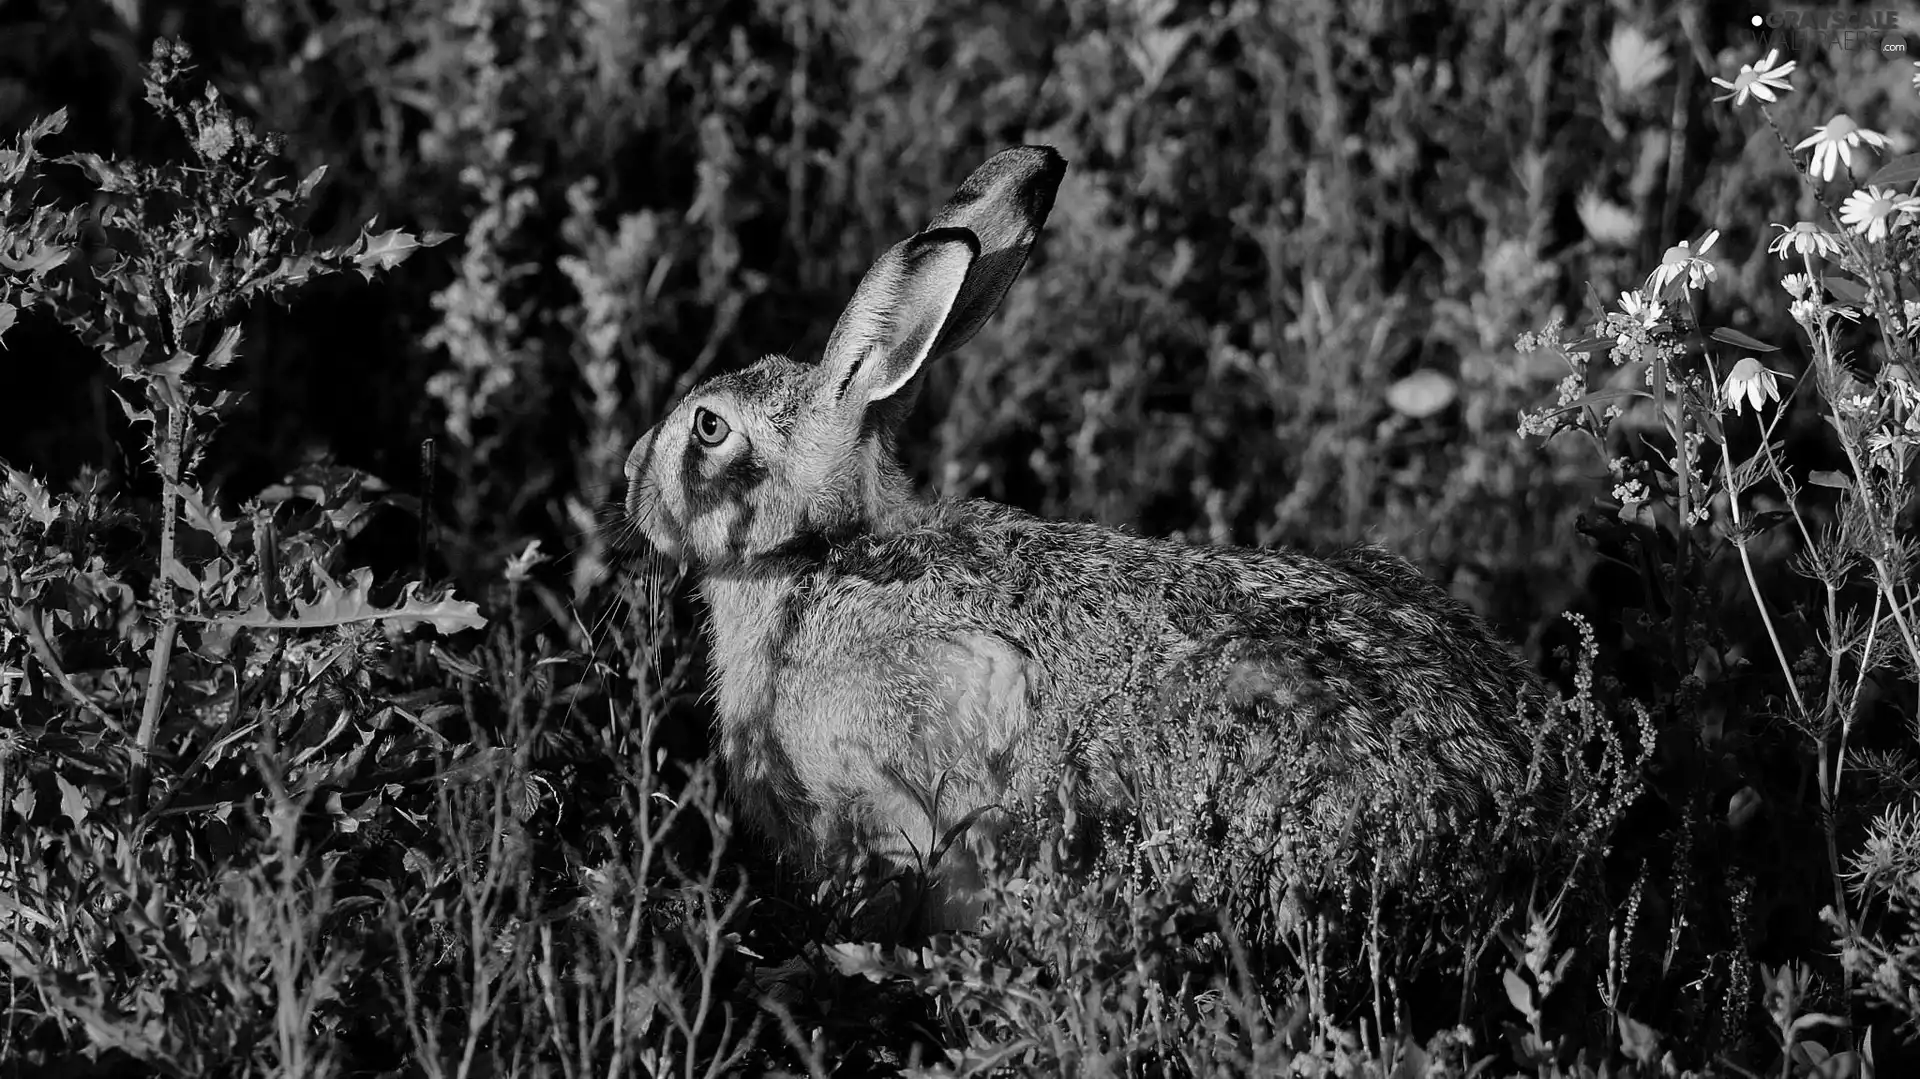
1273 213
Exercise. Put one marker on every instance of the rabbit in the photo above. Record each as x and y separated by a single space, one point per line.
889 671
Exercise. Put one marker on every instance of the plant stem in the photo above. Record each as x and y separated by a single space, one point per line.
1683 530
1683 555
1753 585
168 458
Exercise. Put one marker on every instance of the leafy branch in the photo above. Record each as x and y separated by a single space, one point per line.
154 273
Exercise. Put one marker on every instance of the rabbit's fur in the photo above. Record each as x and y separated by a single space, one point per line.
886 667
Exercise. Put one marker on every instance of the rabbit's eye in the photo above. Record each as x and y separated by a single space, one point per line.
709 428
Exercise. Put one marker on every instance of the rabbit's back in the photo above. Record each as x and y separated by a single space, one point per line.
1358 660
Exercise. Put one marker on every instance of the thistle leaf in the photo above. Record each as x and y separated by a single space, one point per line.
346 604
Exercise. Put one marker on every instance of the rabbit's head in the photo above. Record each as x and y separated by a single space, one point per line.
750 461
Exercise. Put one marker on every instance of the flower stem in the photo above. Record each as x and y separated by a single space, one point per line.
1753 586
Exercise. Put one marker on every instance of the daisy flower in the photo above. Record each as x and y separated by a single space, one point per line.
1804 238
1857 404
1798 285
1641 309
1682 261
1833 144
1866 211
1750 381
1757 80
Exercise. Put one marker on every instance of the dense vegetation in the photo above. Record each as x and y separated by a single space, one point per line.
339 735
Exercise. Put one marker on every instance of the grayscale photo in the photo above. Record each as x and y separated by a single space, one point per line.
1187 538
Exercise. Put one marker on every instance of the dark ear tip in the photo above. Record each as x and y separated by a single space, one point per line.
1008 196
1047 168
1053 162
1044 163
1041 158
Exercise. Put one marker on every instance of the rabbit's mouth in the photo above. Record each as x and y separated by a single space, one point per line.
646 516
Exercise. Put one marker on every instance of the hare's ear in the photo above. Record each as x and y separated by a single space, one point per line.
929 294
889 327
1004 204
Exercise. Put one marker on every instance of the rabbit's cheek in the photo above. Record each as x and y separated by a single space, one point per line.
714 529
